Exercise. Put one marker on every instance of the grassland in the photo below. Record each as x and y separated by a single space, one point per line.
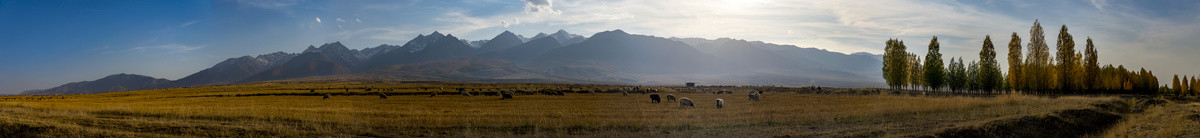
290 109
1174 118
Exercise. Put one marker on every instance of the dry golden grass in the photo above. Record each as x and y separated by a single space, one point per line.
1173 119
200 111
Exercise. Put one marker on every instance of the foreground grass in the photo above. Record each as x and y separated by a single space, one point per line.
198 112
1171 119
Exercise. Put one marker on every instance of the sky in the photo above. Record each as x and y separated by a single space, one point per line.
48 43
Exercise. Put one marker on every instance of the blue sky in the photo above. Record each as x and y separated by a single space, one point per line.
48 43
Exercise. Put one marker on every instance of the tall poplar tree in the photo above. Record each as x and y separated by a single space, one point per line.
1065 58
1186 84
895 61
973 76
1014 63
914 71
1091 67
1195 87
1037 63
989 72
957 76
1175 85
934 71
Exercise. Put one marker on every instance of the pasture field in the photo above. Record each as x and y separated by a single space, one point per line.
289 109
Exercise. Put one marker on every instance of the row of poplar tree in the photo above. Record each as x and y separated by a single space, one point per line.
1069 71
1183 87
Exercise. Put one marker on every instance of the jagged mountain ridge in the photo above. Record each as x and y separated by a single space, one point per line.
304 65
525 52
562 36
606 57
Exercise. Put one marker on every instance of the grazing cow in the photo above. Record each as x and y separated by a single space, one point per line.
326 96
506 95
670 97
720 103
382 96
754 96
654 98
685 102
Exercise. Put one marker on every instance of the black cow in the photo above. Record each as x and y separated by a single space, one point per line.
654 98
507 95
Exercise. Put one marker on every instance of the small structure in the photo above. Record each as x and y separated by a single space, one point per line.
690 84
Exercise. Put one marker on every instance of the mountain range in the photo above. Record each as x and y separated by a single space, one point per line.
609 57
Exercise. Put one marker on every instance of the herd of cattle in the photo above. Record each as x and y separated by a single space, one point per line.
687 102
684 102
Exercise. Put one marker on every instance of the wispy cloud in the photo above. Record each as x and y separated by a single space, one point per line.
283 6
168 48
1099 4
186 24
460 23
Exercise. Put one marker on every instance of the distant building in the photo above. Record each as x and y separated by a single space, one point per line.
690 84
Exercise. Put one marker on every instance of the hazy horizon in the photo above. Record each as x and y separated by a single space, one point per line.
50 43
